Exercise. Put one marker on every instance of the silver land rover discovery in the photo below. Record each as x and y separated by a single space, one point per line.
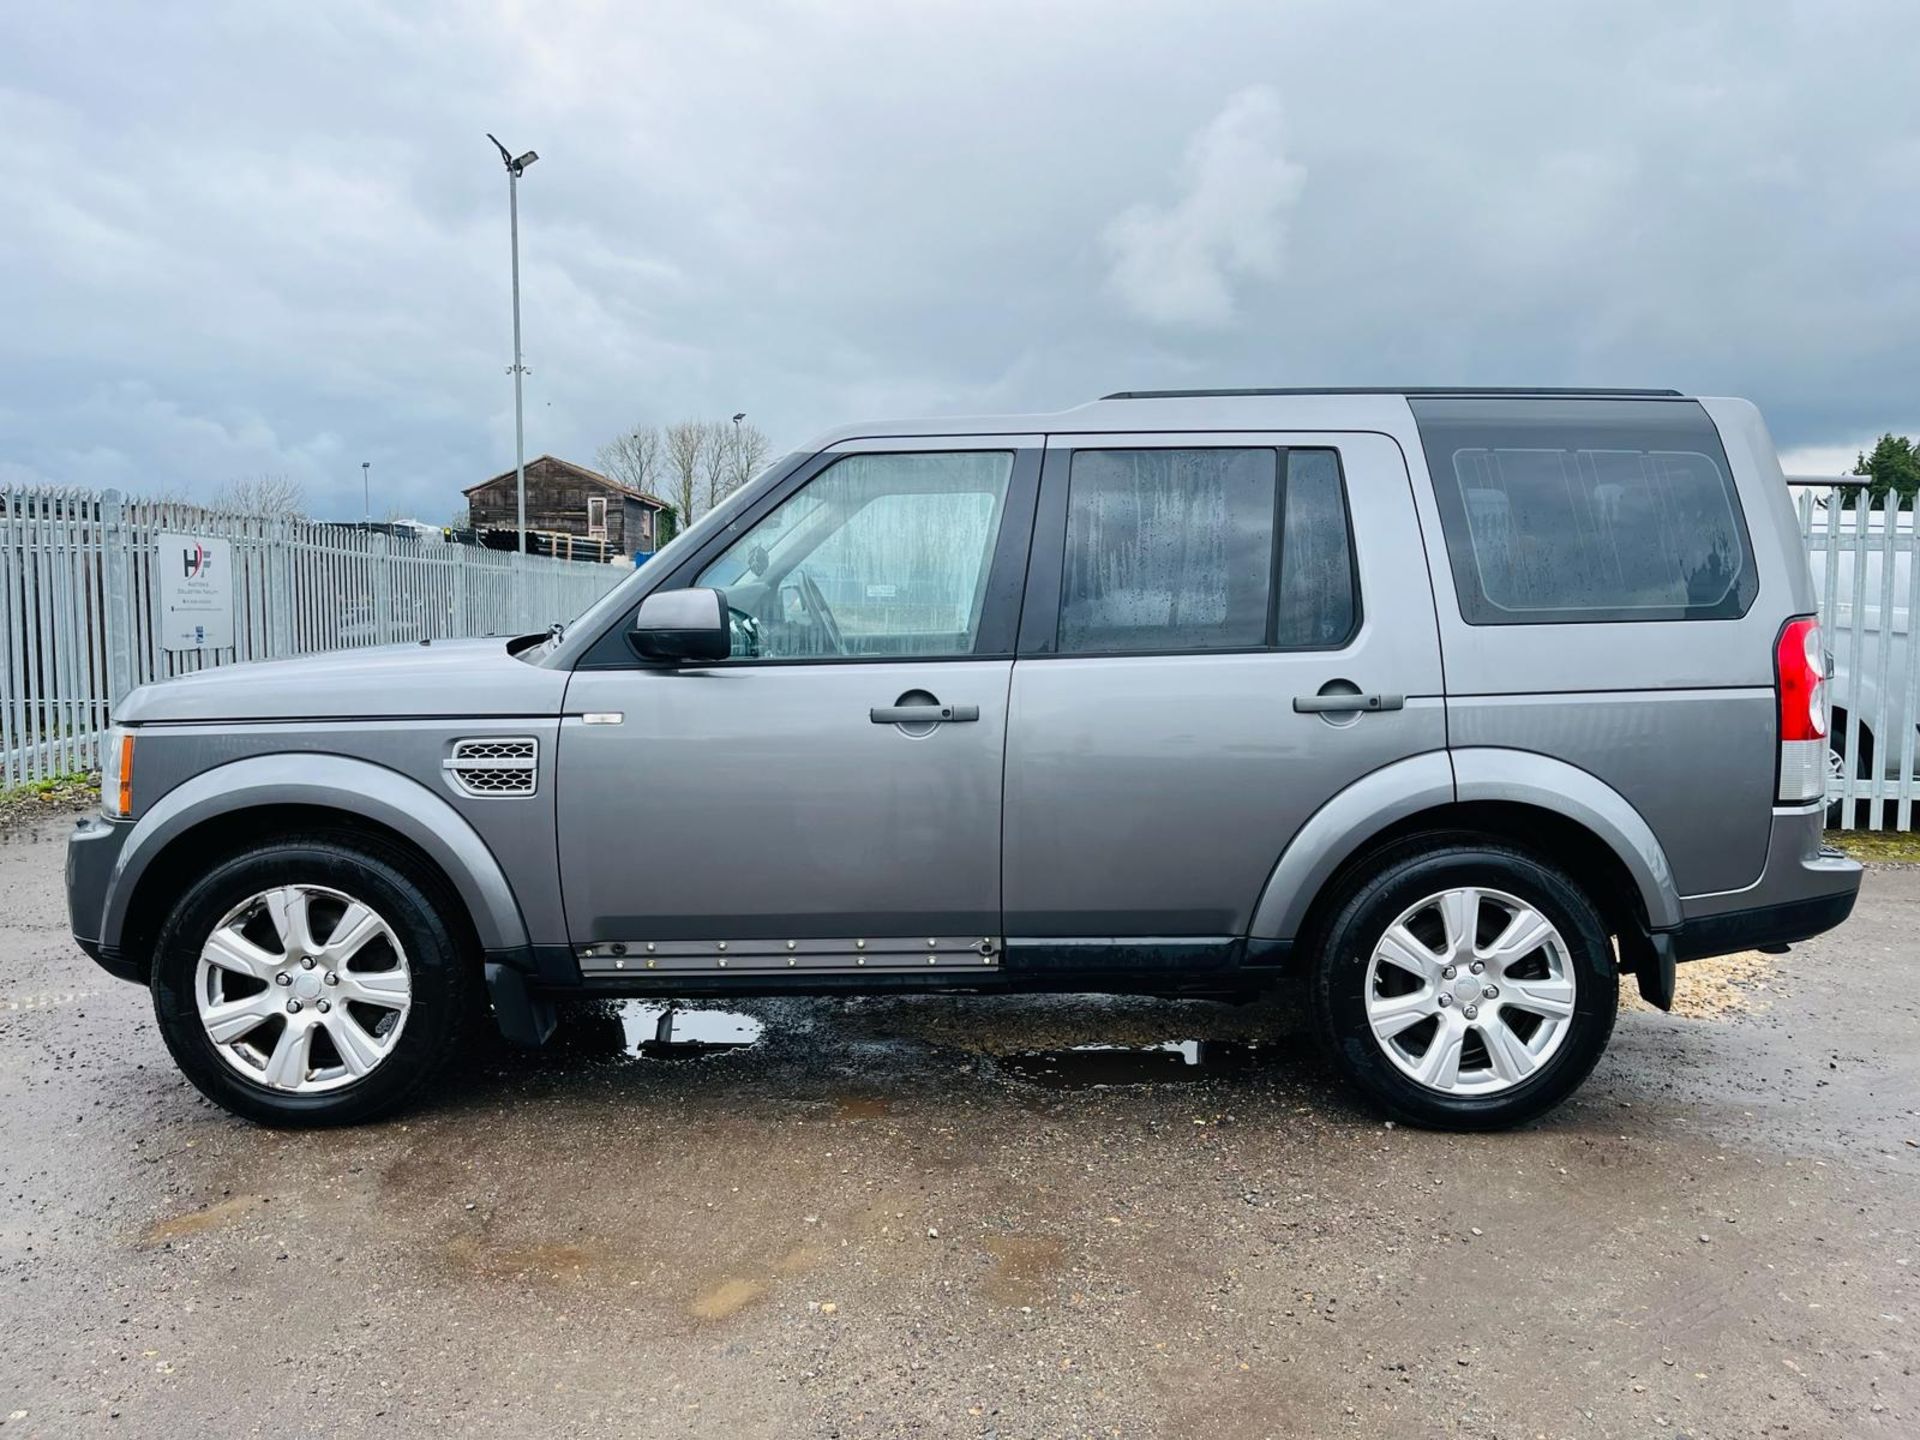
1447 707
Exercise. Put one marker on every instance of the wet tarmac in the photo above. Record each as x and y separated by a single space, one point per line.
933 1217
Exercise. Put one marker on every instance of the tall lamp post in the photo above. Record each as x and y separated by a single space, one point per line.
366 492
516 167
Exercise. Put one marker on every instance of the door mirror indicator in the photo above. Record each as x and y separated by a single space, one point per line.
682 626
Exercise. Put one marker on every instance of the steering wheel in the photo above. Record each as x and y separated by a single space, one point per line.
744 632
817 603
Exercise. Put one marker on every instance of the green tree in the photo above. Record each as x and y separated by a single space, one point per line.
1894 465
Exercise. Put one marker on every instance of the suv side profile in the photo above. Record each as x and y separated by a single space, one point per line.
1450 707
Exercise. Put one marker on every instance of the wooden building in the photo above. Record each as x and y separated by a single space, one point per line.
567 501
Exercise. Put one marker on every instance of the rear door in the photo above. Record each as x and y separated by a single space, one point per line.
1221 632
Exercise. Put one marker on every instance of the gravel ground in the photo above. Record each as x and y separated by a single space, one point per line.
933 1217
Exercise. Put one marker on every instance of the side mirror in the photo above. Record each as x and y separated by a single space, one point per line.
682 625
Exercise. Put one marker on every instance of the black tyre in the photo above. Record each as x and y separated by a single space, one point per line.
1462 984
313 981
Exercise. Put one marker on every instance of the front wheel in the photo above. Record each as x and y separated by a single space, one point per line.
311 982
1465 985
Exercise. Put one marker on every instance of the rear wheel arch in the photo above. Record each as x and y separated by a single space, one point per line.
1545 806
1553 838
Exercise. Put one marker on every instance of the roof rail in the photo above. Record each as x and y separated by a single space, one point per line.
1547 391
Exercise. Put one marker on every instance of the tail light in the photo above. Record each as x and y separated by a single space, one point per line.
1800 681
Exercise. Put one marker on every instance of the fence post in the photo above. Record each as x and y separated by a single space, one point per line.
382 589
460 592
280 588
116 565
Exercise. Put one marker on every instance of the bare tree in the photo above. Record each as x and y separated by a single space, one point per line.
685 448
715 466
277 495
633 458
694 464
747 447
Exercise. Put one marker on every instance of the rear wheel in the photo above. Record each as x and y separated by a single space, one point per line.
1465 985
311 982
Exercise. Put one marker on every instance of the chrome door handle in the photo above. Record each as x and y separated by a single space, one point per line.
1346 704
923 714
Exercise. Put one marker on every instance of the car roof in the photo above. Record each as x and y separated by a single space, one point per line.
1147 411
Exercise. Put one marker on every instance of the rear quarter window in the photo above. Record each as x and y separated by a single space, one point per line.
1569 511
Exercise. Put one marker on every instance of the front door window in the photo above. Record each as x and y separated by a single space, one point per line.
877 557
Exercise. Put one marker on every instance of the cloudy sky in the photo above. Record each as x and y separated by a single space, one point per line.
272 238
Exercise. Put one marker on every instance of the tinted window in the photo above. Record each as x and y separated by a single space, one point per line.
1168 550
879 556
1316 561
1174 550
1582 510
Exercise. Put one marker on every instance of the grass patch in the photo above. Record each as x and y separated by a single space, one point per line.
52 796
1877 844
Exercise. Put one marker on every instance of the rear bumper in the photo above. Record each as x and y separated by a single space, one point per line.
1804 890
1764 925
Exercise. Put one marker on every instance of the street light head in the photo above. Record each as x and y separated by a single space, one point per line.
520 165
739 417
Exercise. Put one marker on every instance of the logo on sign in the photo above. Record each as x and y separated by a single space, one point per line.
195 561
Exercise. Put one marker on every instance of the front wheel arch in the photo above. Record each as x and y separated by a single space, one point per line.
197 850
264 793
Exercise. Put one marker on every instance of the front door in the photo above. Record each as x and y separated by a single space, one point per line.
1221 633
830 796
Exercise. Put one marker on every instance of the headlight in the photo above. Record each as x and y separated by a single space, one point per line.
116 774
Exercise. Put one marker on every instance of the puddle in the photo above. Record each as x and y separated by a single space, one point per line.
647 1030
179 1227
1087 1066
1025 1269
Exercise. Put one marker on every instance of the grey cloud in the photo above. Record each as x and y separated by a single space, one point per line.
1175 264
246 237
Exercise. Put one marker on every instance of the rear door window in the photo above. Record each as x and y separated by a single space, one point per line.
1210 548
1563 511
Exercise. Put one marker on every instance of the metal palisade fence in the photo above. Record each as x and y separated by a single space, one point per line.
81 623
83 615
1865 567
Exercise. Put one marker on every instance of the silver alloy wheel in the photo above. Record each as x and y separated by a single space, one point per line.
304 989
1470 991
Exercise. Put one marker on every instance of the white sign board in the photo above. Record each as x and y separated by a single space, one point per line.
196 593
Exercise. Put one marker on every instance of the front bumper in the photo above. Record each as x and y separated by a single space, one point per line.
93 855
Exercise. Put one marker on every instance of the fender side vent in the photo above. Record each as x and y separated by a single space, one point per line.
494 769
